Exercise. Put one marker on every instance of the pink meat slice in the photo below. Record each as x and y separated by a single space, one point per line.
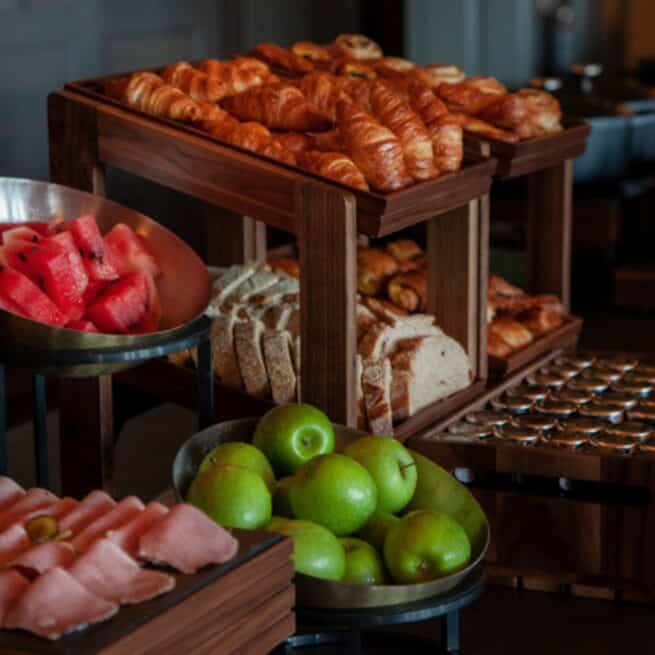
12 585
115 518
127 537
187 539
56 603
58 509
106 571
34 499
92 506
10 492
13 541
43 557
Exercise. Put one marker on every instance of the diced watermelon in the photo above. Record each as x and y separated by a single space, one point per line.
97 259
43 228
129 251
8 306
83 326
65 240
150 322
122 306
20 235
29 300
15 256
95 288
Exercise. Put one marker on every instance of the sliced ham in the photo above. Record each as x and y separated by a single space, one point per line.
12 585
115 518
13 541
127 537
43 557
54 604
58 509
10 492
187 539
34 499
92 506
105 570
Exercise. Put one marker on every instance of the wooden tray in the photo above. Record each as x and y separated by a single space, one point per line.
562 337
532 155
202 607
377 214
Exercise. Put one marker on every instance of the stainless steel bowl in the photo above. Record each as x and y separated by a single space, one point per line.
183 286
310 591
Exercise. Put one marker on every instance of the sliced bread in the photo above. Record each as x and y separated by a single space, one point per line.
247 341
230 279
279 365
277 292
258 282
381 339
226 365
376 387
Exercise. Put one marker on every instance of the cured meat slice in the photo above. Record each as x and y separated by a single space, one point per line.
12 585
34 499
43 557
115 518
127 537
13 541
92 506
10 492
58 509
56 603
106 571
187 539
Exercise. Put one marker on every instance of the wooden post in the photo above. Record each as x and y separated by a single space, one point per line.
457 250
550 200
86 406
326 227
233 239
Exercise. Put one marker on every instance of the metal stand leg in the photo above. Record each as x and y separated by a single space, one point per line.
40 431
450 632
205 385
3 422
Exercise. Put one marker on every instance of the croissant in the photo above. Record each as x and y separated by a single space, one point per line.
295 142
355 46
357 70
424 102
360 92
511 332
282 58
311 51
497 346
393 112
393 66
329 141
279 106
544 111
324 90
148 93
335 166
374 148
433 75
509 111
447 143
409 290
198 85
471 96
540 320
404 249
483 128
374 267
237 76
500 286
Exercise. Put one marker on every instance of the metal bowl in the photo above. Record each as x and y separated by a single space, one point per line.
183 286
310 591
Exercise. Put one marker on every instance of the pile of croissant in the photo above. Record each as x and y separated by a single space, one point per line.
515 318
343 112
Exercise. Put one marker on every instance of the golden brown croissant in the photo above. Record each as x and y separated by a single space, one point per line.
544 111
424 102
295 142
404 249
329 141
356 70
360 92
148 93
540 320
471 96
497 346
198 85
374 267
355 46
393 112
509 110
511 331
236 76
324 90
335 166
447 143
409 290
280 106
477 126
393 66
311 51
282 58
433 75
374 148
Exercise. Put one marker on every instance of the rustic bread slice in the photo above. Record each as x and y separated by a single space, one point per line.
376 386
279 365
226 365
427 369
285 286
276 316
260 280
247 341
366 319
382 338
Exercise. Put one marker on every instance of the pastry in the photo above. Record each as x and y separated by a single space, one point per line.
280 106
384 309
295 142
236 76
335 166
404 249
497 346
356 46
311 51
544 111
409 290
433 75
274 55
447 143
196 84
151 95
374 267
323 90
327 141
500 286
472 95
540 320
393 66
511 331
477 126
424 102
357 70
374 149
510 111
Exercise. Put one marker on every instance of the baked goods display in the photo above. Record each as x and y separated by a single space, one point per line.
404 362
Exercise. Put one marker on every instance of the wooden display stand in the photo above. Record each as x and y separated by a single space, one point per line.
88 132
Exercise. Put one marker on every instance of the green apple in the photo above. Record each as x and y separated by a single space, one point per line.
392 467
374 531
439 491
316 551
291 435
281 502
334 491
425 545
233 496
240 454
363 563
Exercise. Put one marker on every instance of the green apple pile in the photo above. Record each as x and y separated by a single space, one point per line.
374 513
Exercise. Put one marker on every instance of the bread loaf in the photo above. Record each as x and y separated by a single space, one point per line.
247 340
226 365
279 366
382 338
376 387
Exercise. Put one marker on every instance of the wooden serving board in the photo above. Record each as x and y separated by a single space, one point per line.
194 616
564 336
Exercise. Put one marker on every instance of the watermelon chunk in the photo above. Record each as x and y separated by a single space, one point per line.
20 235
97 259
129 251
83 326
95 288
152 318
122 306
43 228
28 299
